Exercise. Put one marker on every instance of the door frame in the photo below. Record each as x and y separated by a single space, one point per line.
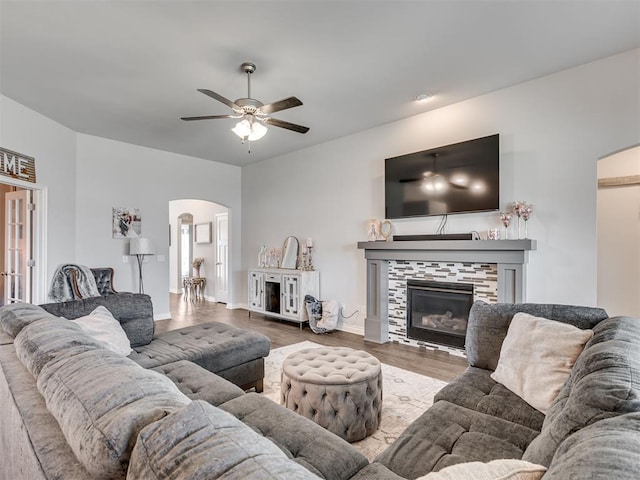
219 216
39 236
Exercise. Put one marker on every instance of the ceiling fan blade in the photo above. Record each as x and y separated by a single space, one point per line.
280 105
289 126
220 98
208 117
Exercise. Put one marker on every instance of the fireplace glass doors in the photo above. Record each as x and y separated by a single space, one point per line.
438 312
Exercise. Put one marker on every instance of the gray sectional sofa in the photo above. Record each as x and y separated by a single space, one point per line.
73 410
232 353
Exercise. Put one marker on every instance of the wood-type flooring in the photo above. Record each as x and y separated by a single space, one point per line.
440 365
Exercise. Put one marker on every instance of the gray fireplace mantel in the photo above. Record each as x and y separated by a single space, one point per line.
510 256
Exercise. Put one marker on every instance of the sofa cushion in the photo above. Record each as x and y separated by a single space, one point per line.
214 346
32 445
488 324
537 356
15 316
134 311
604 383
502 469
202 441
448 434
476 390
608 449
199 384
48 339
106 330
101 401
310 445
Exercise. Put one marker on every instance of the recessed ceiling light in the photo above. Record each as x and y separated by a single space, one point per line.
423 97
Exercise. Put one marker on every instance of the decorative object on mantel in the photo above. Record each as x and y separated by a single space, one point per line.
373 229
197 262
493 234
386 230
307 261
524 210
379 230
505 218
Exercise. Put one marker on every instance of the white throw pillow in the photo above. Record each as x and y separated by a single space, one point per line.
537 356
102 327
503 469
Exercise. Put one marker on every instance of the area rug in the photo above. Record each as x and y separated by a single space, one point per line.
405 396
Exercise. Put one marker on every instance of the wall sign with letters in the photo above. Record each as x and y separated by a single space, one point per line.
17 165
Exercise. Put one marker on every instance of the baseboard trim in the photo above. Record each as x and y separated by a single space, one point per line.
234 306
161 316
358 330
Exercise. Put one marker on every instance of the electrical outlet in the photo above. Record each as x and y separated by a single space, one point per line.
125 259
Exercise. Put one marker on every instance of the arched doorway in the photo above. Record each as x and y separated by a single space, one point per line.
618 228
201 232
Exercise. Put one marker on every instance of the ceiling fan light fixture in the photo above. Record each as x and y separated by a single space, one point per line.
251 131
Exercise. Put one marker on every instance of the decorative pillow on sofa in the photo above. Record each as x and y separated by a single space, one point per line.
503 469
105 329
537 356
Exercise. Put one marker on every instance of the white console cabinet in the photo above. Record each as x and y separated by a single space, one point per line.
279 292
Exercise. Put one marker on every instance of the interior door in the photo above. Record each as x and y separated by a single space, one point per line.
222 257
18 247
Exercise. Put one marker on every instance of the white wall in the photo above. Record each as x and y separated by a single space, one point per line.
203 212
552 131
115 174
619 236
54 149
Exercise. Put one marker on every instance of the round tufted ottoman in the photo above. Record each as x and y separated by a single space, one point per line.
338 388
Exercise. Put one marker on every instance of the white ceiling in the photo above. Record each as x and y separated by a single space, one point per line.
129 70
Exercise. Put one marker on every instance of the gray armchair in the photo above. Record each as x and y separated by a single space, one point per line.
104 281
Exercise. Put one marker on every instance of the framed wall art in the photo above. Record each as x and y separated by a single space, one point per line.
202 233
126 222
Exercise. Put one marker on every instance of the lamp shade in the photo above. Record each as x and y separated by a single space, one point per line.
141 246
251 131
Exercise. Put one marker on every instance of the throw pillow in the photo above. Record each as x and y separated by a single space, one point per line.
503 469
102 327
537 356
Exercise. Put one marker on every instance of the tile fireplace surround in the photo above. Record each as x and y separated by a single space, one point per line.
498 267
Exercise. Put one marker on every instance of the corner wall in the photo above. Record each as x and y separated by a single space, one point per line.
54 148
115 174
552 131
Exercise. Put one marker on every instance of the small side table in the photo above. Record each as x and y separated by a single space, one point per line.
194 287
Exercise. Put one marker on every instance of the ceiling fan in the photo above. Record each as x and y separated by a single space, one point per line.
253 113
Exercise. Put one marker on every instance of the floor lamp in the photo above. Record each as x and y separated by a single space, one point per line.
140 247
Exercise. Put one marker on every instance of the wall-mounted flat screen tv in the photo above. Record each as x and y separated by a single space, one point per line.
459 178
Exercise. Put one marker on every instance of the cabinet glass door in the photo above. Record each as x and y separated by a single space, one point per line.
256 290
291 302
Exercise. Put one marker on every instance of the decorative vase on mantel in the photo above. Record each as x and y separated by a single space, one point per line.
197 272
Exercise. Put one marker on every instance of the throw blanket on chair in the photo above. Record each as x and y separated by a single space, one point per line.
62 288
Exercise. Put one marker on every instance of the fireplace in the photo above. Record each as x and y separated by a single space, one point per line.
438 312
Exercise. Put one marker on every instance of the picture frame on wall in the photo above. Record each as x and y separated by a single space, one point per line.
126 222
202 233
